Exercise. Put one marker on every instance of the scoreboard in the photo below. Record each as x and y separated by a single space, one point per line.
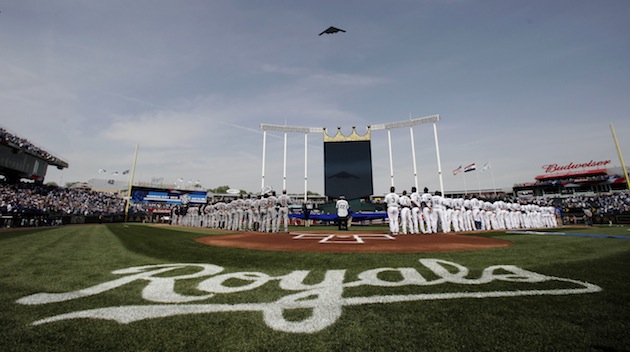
169 196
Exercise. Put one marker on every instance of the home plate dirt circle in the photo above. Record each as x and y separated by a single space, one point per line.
353 242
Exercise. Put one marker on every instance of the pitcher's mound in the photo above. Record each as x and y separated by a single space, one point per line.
353 242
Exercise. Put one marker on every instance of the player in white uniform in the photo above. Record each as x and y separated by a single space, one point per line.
405 213
343 210
455 214
427 207
283 211
438 215
469 223
391 199
475 205
416 211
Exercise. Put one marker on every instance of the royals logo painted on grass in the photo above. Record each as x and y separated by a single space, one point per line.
325 300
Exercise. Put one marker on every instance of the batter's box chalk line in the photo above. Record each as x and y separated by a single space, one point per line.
345 239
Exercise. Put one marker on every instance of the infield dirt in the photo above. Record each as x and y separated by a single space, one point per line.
345 242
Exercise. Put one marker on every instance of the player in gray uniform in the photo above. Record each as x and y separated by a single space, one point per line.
264 225
272 212
239 214
283 211
256 210
391 199
208 210
221 209
248 220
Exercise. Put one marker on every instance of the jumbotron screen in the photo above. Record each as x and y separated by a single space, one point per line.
170 196
348 169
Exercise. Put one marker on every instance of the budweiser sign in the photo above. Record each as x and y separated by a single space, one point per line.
571 166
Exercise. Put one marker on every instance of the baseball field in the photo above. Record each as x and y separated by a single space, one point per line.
133 287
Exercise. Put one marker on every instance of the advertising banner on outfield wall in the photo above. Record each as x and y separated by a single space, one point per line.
170 196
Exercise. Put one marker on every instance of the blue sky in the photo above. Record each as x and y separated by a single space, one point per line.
519 84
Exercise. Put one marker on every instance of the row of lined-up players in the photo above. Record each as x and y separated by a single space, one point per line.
431 213
265 213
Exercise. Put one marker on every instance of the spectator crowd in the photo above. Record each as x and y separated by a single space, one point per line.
29 204
10 139
32 204
614 204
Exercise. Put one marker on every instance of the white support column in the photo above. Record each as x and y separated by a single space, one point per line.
410 123
262 185
413 156
391 162
437 151
286 129
305 166
284 164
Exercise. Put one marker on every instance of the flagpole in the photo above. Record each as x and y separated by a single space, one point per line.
133 172
494 186
623 165
478 183
465 188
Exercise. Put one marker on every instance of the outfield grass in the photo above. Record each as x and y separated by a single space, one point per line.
72 258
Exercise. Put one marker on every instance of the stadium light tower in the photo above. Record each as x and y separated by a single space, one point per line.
410 123
285 129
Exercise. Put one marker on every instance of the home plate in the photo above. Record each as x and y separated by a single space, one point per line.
348 239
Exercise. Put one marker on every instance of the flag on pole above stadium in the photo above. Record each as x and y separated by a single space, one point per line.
471 167
457 171
485 167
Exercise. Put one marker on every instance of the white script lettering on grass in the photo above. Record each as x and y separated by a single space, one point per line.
325 299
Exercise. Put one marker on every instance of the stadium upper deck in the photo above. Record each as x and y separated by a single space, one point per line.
20 158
